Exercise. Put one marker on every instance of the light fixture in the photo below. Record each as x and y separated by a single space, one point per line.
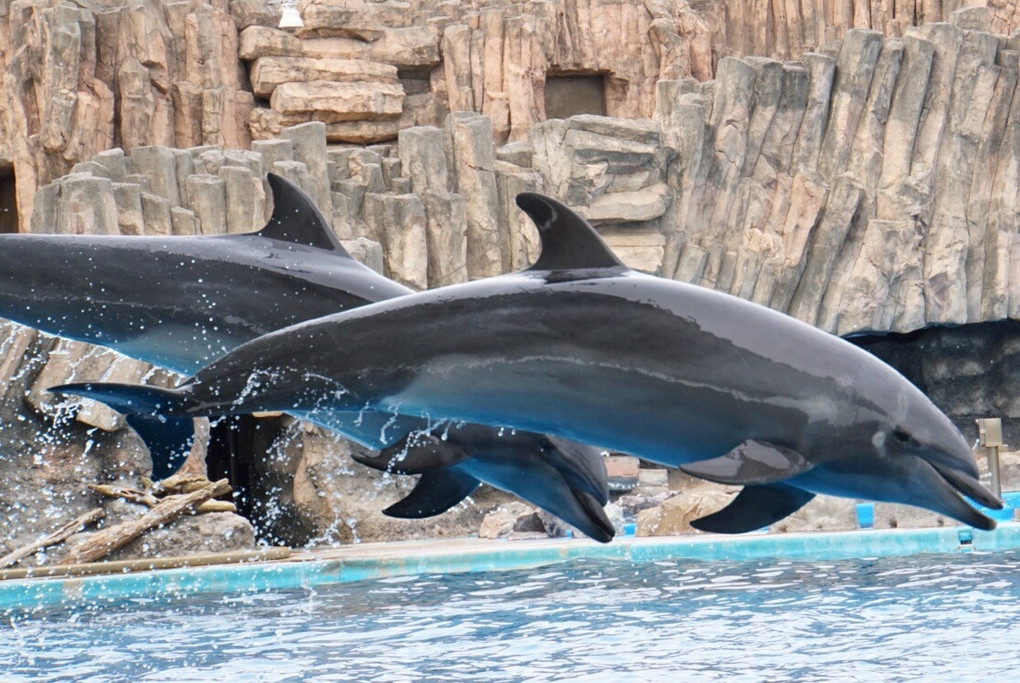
290 16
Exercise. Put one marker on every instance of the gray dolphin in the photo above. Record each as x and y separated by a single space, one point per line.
516 462
180 302
582 347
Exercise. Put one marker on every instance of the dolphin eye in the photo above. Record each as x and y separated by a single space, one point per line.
901 437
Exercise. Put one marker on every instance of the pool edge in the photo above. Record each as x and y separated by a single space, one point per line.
383 560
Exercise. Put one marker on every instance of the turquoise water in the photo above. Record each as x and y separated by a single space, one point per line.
944 617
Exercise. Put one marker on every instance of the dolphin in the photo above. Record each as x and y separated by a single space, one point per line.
557 475
180 302
581 347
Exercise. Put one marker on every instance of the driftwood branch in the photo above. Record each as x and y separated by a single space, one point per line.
104 542
121 566
134 495
186 483
148 498
58 536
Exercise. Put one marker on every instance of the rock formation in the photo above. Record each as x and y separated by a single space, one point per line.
81 78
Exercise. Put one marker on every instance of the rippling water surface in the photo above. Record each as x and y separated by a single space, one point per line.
921 618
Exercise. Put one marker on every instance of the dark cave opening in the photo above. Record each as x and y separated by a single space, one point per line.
8 201
969 371
569 94
244 449
231 454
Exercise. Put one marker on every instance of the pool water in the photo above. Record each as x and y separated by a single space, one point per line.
935 617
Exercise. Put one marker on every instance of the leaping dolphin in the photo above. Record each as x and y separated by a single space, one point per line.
553 473
584 348
180 302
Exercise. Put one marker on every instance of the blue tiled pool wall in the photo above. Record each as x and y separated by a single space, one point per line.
435 558
868 542
866 513
1011 500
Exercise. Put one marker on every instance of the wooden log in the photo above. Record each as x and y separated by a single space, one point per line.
122 566
134 495
216 506
104 542
151 498
186 483
58 536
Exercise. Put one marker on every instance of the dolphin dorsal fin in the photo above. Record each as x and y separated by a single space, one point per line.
568 241
296 219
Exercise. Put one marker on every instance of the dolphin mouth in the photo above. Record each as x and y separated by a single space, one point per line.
969 486
600 528
948 487
581 465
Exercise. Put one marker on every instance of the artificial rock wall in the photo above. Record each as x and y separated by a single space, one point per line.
870 187
83 76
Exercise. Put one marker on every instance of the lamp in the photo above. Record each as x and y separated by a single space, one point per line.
290 16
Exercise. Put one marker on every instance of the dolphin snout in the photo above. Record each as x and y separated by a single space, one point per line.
950 450
969 486
594 523
938 489
954 460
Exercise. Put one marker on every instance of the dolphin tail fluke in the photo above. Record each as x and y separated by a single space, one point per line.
159 416
168 439
132 399
755 507
437 491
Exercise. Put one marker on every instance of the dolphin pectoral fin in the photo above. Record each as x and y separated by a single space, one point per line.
168 440
753 508
414 454
296 219
379 460
437 491
752 462
568 240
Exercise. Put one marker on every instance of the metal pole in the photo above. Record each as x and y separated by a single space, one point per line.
992 453
990 436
